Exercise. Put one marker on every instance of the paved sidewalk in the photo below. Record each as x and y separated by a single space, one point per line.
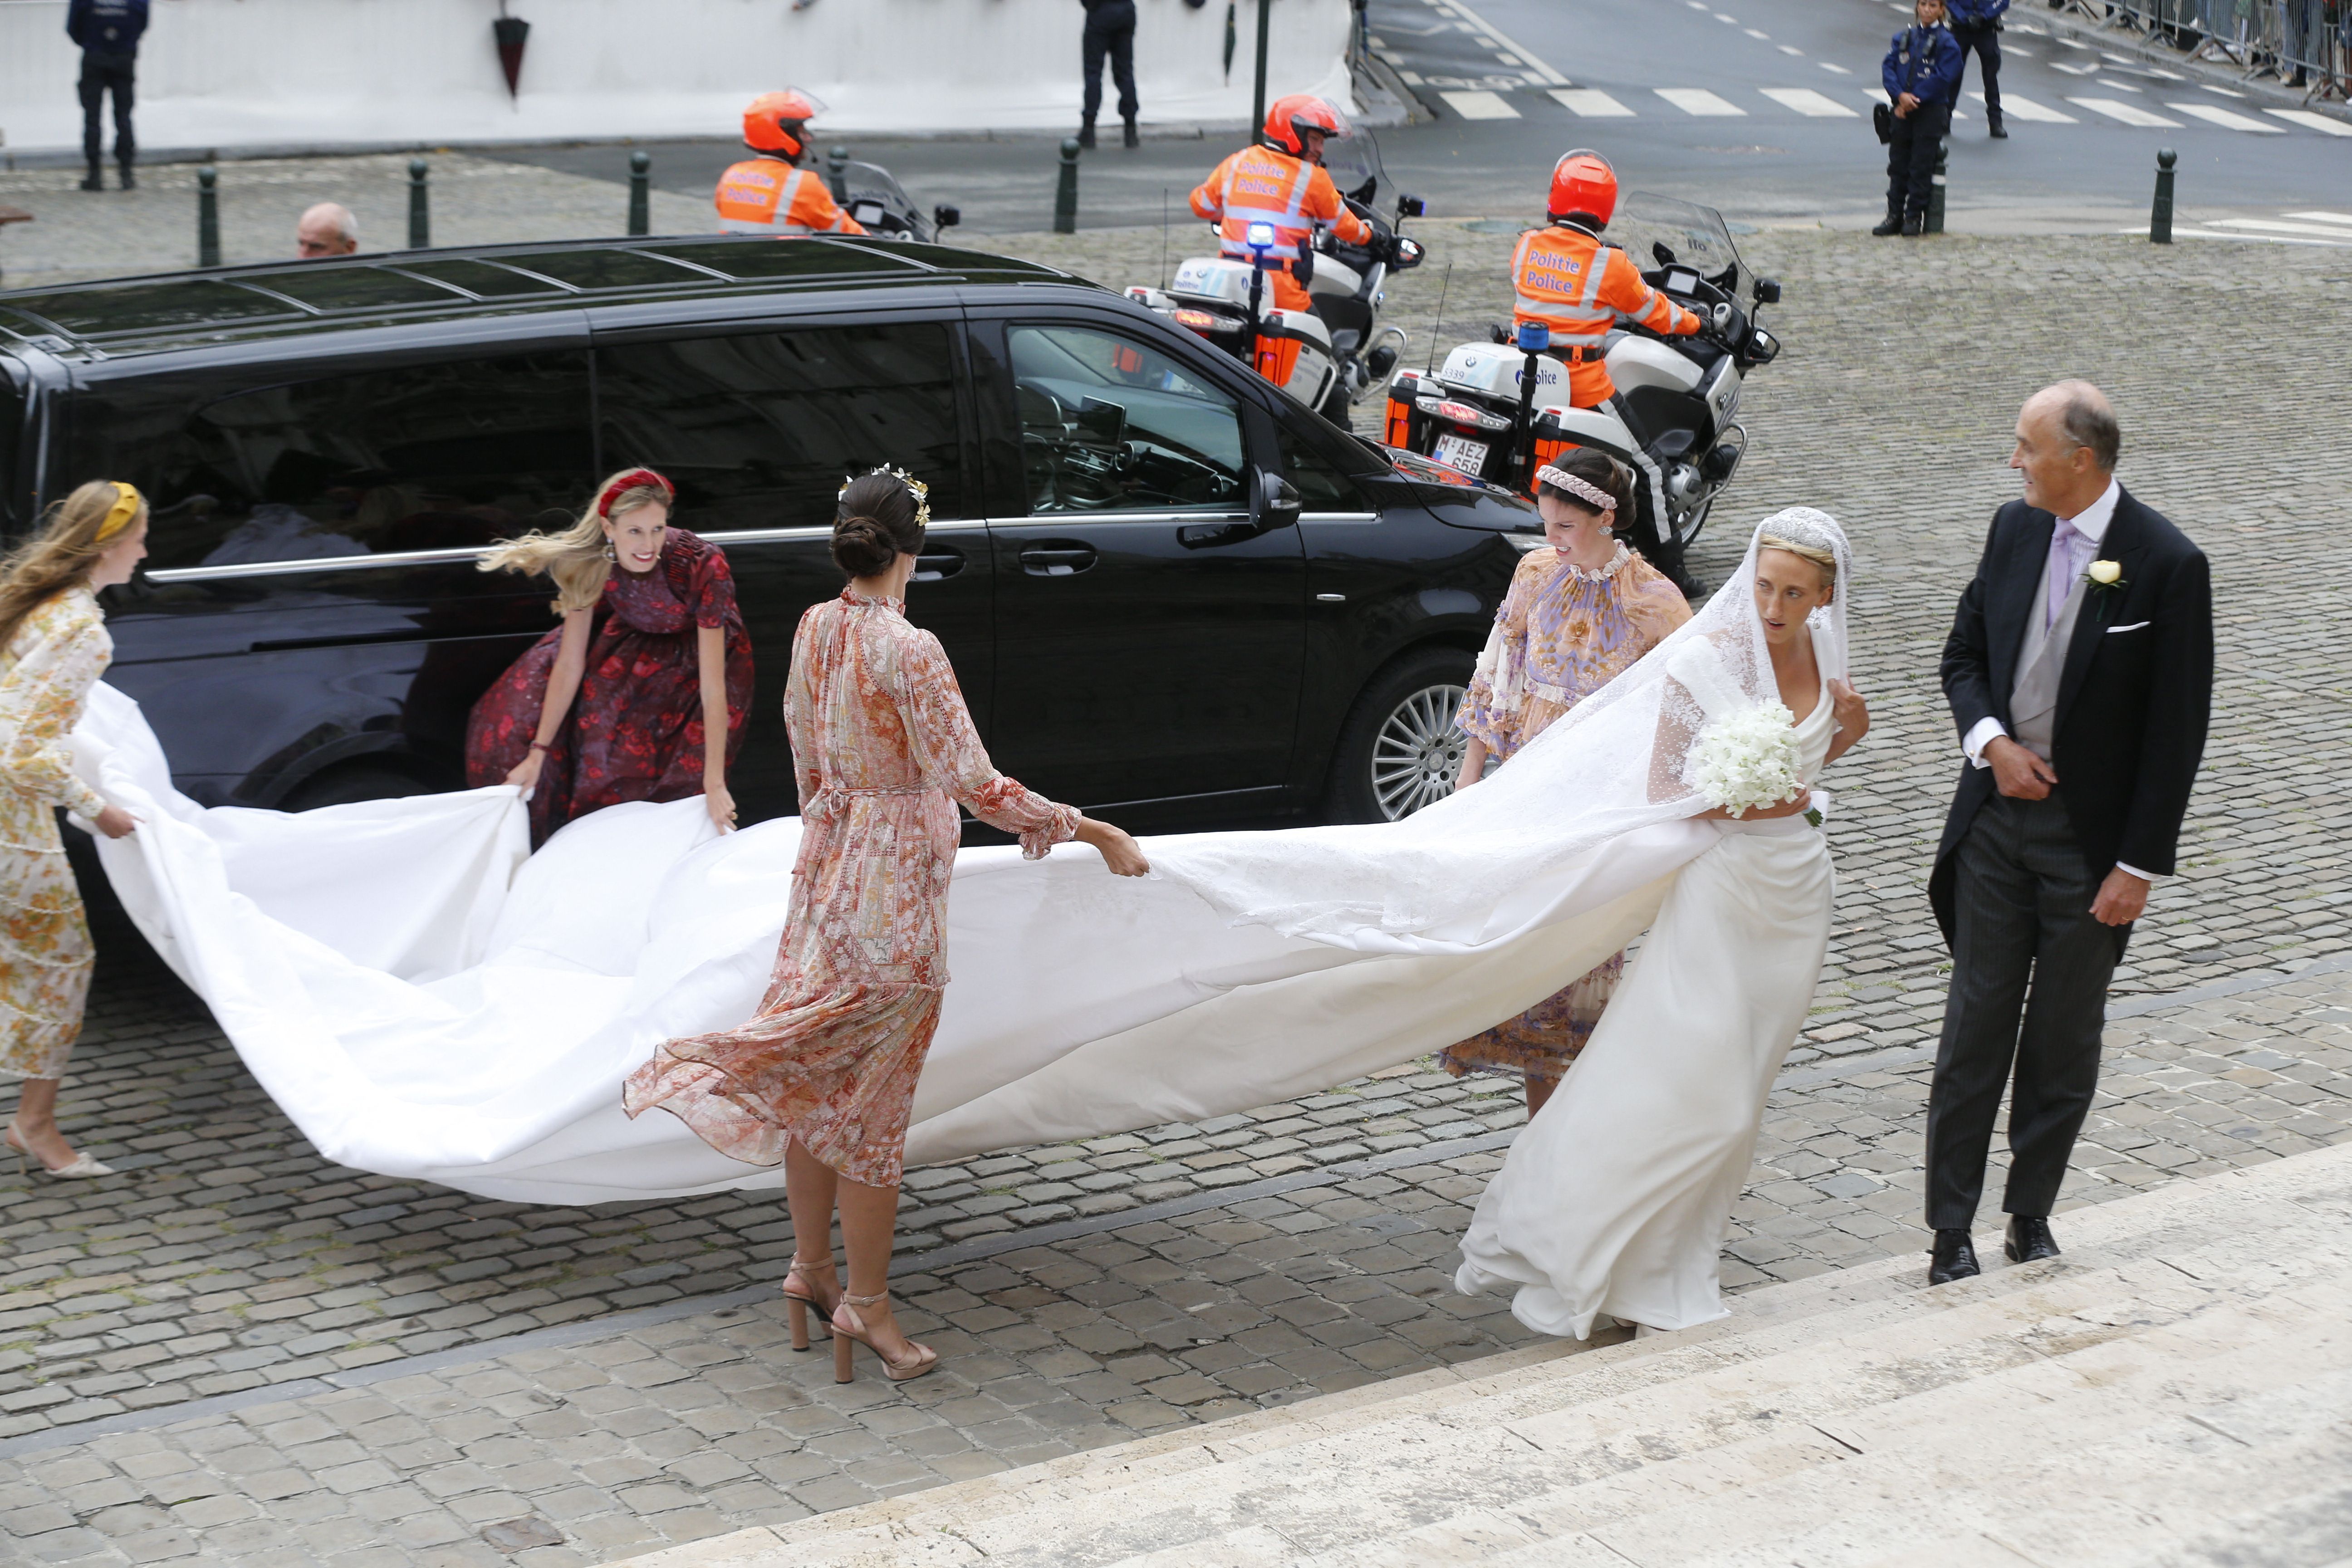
230 1261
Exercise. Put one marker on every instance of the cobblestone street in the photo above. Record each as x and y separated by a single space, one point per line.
239 1353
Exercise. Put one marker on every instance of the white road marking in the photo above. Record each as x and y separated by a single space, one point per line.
1590 102
1697 101
2323 217
1474 22
2229 119
2074 70
1807 103
2312 121
2128 113
2015 106
2114 86
2267 226
1790 50
2224 92
1479 105
1827 67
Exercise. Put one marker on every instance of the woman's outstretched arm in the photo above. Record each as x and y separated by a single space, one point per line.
562 685
710 656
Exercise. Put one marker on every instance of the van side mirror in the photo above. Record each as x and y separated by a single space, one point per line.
947 215
1277 501
1767 290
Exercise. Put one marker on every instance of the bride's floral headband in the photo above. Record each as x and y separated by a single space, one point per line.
921 491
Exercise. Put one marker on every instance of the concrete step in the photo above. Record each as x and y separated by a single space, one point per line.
2182 1373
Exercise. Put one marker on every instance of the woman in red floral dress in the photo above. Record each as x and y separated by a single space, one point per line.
641 692
824 1078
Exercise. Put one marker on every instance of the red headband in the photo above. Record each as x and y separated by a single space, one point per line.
634 479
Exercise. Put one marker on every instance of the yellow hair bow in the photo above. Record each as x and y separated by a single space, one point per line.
127 502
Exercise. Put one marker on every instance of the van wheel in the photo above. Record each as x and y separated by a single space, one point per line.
1399 749
344 786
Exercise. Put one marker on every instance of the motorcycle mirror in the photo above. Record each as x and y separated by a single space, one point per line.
1411 207
1497 332
1662 252
1767 290
947 215
1366 192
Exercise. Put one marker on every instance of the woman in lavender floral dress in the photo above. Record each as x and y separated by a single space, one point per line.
1577 614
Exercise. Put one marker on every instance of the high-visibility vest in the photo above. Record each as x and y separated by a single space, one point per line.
1566 278
1260 185
767 195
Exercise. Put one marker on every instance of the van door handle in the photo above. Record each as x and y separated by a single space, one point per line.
932 565
1056 560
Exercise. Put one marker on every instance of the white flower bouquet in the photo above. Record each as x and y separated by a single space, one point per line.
1746 759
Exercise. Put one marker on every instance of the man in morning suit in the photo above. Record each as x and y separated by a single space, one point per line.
2080 672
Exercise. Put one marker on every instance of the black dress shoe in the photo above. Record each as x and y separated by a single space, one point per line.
2029 1239
1892 226
1953 1257
1999 132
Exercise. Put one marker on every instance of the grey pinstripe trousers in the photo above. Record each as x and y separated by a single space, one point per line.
2027 1002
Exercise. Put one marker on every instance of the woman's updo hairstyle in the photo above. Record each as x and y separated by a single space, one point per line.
1599 470
875 523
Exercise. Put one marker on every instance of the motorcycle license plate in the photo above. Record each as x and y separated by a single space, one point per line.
1462 454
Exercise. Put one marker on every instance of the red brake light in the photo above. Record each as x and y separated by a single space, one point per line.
1460 413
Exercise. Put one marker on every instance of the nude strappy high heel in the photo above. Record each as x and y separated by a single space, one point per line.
798 1303
924 1359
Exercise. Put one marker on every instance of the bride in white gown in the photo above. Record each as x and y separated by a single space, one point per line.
1616 1198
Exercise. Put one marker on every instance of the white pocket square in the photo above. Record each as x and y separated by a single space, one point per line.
2133 628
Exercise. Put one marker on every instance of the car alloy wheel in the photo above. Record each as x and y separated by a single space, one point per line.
1418 751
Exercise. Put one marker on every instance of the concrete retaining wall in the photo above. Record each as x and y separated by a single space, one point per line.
317 73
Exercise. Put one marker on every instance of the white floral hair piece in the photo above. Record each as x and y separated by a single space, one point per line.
1585 491
921 491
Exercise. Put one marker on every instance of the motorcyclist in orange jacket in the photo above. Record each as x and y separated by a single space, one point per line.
1570 281
768 193
1281 181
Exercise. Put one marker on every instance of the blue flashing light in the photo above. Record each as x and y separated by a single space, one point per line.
1260 236
1534 337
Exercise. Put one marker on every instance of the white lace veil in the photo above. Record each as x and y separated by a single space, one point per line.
1450 875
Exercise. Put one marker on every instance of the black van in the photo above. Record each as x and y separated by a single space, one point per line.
1171 595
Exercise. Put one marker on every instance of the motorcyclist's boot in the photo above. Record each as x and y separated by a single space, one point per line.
1893 226
1133 139
1666 555
1087 133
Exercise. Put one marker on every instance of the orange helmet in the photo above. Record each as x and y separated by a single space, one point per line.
778 122
1583 182
1288 121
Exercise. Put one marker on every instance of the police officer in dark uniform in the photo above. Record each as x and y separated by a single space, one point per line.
108 32
1110 31
1921 77
1976 27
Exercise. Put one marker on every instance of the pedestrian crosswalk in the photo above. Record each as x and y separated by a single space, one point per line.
2169 114
2332 230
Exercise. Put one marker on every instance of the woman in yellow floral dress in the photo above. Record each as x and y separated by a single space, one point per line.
1577 616
53 648
822 1079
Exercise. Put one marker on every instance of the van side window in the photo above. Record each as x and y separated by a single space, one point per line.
759 429
1320 485
433 457
1108 425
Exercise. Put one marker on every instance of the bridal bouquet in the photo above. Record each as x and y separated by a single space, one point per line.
1746 759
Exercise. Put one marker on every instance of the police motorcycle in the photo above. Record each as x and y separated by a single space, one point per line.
1337 355
872 195
1497 410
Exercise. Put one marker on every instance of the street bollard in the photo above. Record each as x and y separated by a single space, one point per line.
420 215
207 217
1066 193
1935 222
837 170
2159 216
640 194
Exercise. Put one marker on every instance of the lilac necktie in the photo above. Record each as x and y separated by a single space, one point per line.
2063 569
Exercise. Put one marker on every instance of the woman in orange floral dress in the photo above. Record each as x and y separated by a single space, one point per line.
824 1078
1577 616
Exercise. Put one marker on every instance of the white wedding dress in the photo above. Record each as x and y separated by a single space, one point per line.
425 998
1616 1198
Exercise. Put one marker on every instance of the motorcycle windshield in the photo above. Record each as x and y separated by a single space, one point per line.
1354 166
869 182
1696 236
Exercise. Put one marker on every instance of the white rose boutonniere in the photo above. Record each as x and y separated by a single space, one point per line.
2106 575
